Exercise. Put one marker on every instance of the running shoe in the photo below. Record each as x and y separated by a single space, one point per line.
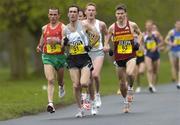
152 89
138 90
178 86
94 110
61 92
98 100
50 108
80 113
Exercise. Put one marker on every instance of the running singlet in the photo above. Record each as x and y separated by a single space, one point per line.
98 45
77 40
123 43
150 42
76 45
176 39
52 40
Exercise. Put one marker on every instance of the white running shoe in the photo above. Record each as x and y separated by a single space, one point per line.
80 113
94 110
152 89
138 90
50 108
98 100
61 92
178 86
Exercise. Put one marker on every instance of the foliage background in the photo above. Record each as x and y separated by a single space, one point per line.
21 22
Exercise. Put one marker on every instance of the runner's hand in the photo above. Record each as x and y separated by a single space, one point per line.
39 49
66 40
87 48
136 46
106 48
111 53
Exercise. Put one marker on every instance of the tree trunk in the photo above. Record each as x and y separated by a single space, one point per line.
17 54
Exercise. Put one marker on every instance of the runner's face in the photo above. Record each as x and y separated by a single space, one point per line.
53 16
73 14
149 26
154 28
177 25
81 16
91 12
120 15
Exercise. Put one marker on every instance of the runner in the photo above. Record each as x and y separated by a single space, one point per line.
152 41
125 48
82 15
173 41
53 56
79 62
96 53
140 66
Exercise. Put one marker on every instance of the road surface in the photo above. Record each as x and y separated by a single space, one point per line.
161 108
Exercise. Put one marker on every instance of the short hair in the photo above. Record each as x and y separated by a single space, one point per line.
177 20
76 6
121 7
82 10
90 4
150 21
54 8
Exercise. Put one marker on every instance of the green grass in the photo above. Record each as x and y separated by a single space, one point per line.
26 97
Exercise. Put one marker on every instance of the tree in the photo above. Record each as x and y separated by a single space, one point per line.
13 17
19 16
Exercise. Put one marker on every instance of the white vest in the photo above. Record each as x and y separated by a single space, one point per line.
100 47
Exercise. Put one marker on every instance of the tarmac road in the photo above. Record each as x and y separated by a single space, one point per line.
161 108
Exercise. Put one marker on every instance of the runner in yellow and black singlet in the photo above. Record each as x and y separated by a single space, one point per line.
79 62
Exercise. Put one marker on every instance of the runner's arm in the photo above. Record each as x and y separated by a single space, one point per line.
104 29
107 38
64 37
159 36
41 41
139 33
168 38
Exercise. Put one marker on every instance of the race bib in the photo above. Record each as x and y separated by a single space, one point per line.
77 49
151 45
124 47
139 53
94 40
55 48
96 44
177 41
